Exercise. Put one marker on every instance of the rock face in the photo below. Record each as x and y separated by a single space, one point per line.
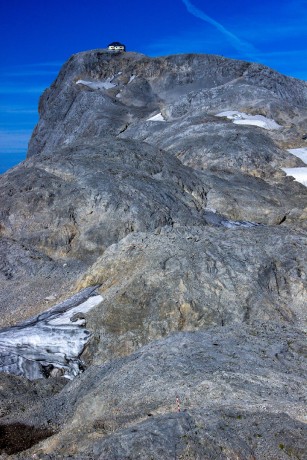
183 224
232 385
190 279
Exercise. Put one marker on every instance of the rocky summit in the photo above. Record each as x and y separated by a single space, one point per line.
153 273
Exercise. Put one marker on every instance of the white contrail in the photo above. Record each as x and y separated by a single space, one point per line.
240 45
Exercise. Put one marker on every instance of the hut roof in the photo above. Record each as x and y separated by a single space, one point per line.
116 44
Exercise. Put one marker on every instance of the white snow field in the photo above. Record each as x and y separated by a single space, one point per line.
300 153
158 117
106 84
299 174
241 118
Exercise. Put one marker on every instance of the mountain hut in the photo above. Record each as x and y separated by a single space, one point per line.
116 46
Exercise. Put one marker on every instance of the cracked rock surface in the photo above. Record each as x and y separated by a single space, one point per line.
240 392
185 229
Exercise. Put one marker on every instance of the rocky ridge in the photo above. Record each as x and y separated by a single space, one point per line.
196 242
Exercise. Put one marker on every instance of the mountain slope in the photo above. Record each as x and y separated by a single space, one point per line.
140 188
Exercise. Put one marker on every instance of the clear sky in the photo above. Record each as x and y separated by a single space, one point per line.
37 37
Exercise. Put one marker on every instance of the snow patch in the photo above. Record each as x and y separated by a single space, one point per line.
65 318
213 210
299 174
238 224
131 78
212 217
50 342
69 139
158 117
241 118
106 84
300 153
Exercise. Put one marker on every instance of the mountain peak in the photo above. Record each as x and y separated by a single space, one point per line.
153 264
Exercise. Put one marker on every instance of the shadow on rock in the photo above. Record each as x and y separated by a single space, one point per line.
17 437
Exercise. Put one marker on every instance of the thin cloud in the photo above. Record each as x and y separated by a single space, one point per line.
240 45
179 44
196 40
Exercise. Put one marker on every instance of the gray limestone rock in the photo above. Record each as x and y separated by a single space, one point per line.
203 142
67 208
178 86
240 391
197 241
191 279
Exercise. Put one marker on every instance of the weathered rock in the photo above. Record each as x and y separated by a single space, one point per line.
19 395
197 239
241 395
180 85
243 197
85 197
190 279
203 142
62 211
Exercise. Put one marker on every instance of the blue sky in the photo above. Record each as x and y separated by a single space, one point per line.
37 37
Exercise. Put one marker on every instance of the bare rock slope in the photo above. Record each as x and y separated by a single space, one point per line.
140 189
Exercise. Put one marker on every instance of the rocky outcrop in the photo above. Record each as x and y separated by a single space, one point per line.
178 86
191 279
240 394
66 209
183 224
